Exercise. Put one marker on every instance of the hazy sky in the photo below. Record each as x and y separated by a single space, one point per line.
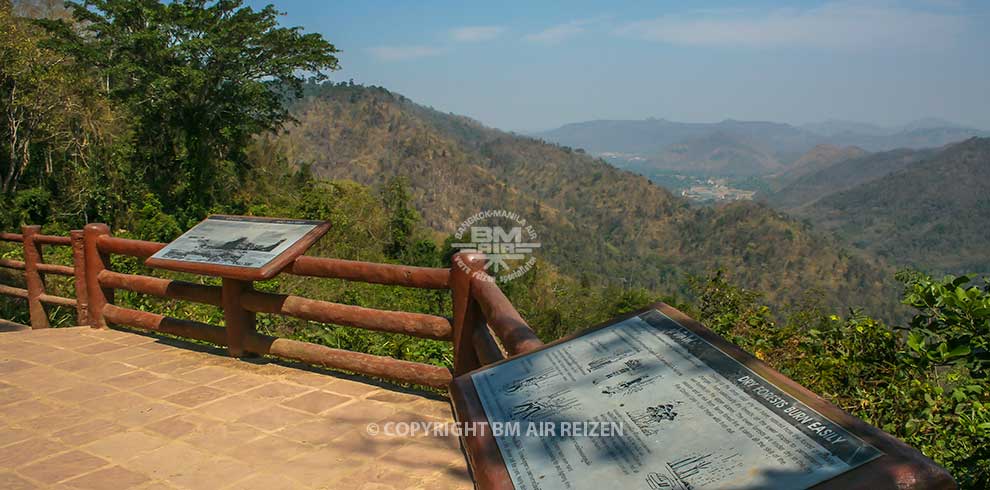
537 64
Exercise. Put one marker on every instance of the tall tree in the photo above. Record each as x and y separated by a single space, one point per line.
198 79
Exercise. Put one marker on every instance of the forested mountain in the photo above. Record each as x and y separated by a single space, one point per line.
842 175
595 221
816 159
717 153
931 213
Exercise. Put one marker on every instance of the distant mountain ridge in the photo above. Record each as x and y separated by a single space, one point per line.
768 142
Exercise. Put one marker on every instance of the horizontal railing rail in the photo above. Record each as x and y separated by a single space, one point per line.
485 327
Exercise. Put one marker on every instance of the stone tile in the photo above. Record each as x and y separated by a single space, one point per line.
10 435
434 408
278 391
10 481
162 388
99 348
316 402
359 444
21 453
381 477
112 478
169 460
416 455
269 450
265 481
361 413
63 466
146 413
223 438
274 418
179 425
207 375
123 446
318 468
57 420
389 396
317 432
234 407
213 473
27 409
351 388
240 382
12 394
83 392
105 370
196 396
311 379
452 478
8 366
132 380
87 432
114 402
78 363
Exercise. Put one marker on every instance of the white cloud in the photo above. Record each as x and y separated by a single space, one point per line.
404 53
844 25
473 34
558 33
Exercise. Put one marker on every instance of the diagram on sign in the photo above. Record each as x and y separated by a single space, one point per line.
628 387
695 471
630 365
610 359
533 382
545 406
652 419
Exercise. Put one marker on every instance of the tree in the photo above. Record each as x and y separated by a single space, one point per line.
198 79
44 100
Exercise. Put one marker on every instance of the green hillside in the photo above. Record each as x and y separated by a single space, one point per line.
842 175
595 221
932 214
815 160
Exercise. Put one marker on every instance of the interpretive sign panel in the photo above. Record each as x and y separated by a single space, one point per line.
241 247
646 403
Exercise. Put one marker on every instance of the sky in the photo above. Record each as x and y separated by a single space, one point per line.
538 64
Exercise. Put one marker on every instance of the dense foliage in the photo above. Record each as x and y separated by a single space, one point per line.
926 382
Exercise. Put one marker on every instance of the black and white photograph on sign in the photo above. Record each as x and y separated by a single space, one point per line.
681 415
236 242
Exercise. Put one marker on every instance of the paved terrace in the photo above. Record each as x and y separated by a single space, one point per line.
107 409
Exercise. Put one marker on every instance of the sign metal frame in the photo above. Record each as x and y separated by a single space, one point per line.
268 270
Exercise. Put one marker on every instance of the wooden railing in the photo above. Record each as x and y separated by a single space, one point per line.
480 307
35 270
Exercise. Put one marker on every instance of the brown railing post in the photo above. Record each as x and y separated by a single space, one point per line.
95 263
79 274
238 321
468 316
35 282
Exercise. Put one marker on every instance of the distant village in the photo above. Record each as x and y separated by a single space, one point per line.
716 190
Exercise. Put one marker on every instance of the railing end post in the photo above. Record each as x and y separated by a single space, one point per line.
32 278
468 316
96 262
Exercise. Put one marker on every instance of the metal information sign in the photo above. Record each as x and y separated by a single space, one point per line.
243 247
648 404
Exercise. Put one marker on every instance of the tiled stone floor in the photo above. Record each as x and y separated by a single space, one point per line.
107 409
